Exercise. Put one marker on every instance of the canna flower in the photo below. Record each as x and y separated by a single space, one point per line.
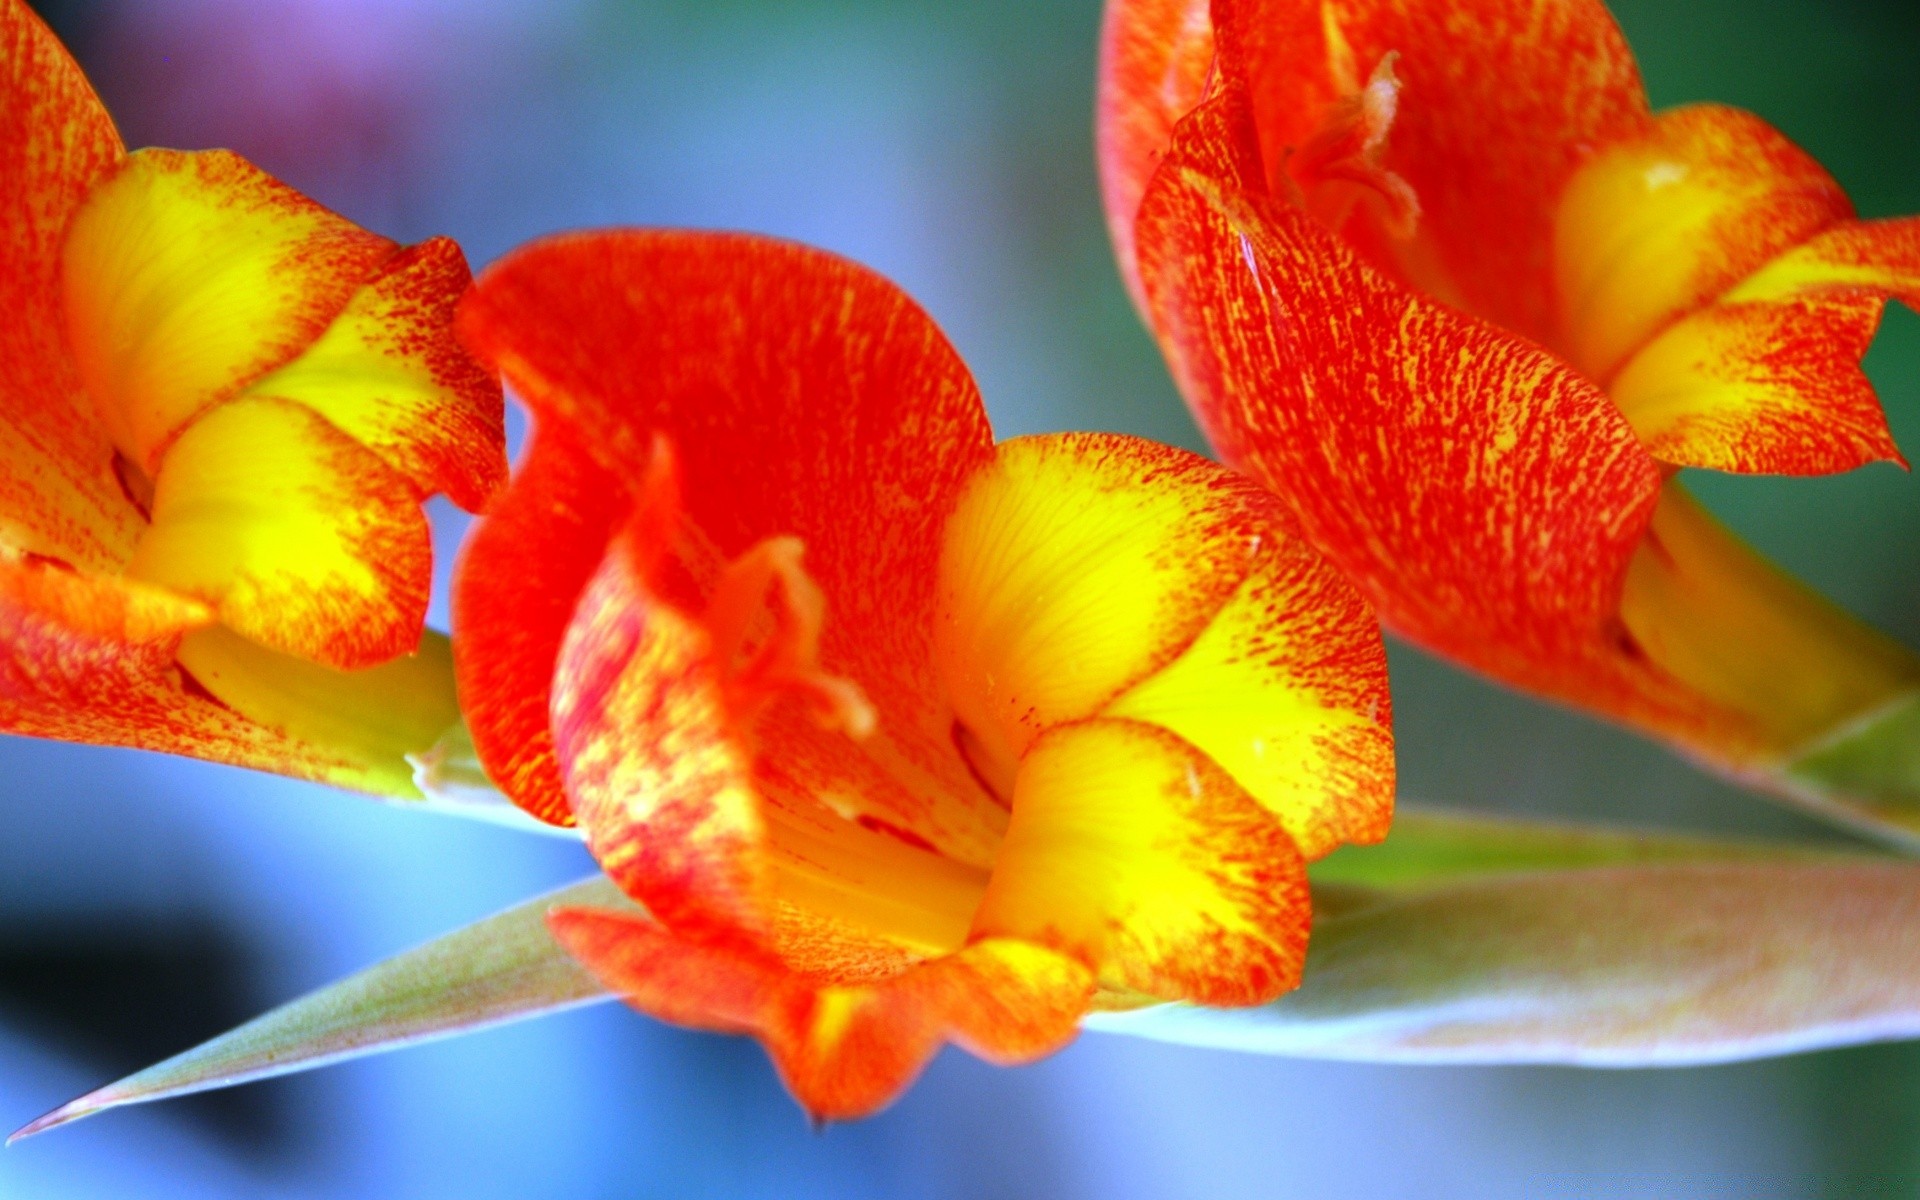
221 408
897 736
1437 274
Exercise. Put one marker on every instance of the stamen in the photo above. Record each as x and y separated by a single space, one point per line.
787 660
1340 163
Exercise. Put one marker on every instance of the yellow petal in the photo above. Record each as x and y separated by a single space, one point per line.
188 276
299 537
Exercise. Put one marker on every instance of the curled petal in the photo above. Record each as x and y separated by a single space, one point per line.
845 1049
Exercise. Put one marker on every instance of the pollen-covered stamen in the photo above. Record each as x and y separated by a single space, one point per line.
1340 163
787 658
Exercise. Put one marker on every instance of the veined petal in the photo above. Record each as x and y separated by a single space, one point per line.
1480 493
1155 59
1500 101
807 398
1654 227
389 373
187 277
845 1050
58 494
299 537
1768 379
1133 852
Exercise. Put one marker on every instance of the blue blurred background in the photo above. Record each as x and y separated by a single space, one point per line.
146 903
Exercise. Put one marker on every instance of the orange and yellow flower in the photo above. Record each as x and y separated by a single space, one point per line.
1038 727
221 408
1437 274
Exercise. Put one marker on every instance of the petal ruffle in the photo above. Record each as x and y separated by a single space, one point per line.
58 493
846 1050
807 397
1133 852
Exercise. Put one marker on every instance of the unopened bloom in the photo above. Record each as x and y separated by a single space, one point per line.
898 735
1437 274
221 408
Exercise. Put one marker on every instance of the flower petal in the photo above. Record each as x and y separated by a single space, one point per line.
1131 851
1480 493
649 752
93 659
1656 226
1768 379
1500 102
298 536
389 373
1093 574
188 276
58 493
807 397
845 1050
1155 59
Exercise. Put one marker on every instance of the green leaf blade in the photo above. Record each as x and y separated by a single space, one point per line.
500 969
1635 966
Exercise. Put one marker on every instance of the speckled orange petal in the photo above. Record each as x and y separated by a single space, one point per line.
649 751
1133 852
93 659
389 373
846 1050
1500 101
807 397
58 493
189 275
298 536
1654 227
1767 379
1481 494
1156 57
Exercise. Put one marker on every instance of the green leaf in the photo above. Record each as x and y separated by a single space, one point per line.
1655 965
500 969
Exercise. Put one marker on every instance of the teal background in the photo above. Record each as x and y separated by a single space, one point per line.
148 902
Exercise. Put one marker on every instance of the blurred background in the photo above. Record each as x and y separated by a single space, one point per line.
147 903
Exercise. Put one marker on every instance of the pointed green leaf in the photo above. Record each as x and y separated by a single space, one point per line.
500 969
1659 965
